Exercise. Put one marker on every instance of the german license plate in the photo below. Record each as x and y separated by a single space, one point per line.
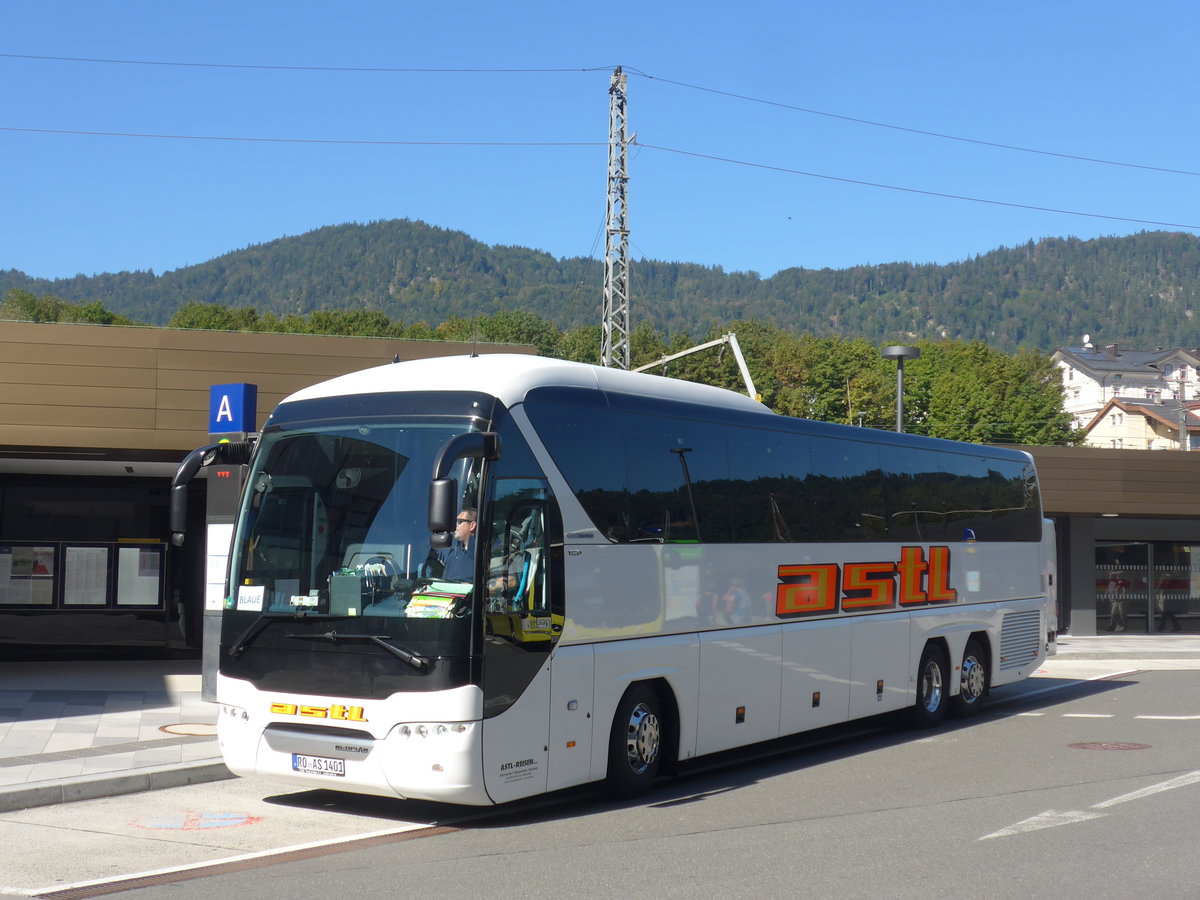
318 765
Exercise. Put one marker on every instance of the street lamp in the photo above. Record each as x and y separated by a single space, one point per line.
900 353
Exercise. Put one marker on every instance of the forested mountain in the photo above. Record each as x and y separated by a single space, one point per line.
1141 290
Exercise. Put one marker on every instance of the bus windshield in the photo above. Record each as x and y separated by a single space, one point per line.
333 539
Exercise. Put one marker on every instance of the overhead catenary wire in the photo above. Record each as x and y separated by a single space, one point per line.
383 70
633 141
920 131
574 144
909 190
292 140
460 70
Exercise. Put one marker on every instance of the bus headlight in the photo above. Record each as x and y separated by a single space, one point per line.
233 713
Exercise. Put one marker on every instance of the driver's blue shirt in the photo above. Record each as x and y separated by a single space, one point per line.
459 561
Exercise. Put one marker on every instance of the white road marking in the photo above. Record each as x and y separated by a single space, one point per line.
258 854
1049 819
1170 718
1052 818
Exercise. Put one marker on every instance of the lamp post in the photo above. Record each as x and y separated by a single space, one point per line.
900 353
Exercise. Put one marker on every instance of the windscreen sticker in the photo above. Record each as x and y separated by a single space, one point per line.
250 597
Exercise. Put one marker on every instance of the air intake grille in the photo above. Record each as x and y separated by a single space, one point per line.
1020 638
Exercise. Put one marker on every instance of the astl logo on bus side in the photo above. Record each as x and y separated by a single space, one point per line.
817 588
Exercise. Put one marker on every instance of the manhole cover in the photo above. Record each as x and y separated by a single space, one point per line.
1108 745
192 729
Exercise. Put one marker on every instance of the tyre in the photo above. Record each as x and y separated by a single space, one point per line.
932 683
974 682
635 743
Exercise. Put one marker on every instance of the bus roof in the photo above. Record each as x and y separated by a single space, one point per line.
509 377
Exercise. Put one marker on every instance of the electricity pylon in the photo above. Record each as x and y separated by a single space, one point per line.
615 314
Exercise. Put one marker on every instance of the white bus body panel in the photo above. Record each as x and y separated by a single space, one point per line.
572 722
740 684
816 674
881 663
516 744
440 766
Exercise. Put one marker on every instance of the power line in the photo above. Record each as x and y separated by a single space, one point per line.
892 187
370 69
934 134
695 87
273 140
633 141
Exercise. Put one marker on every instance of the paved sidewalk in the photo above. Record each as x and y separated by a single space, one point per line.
82 730
1129 646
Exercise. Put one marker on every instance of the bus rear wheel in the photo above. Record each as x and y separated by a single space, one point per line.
932 683
635 743
974 682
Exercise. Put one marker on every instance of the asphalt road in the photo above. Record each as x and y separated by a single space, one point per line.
1060 786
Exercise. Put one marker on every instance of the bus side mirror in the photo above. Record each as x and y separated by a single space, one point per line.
236 453
443 490
443 510
177 511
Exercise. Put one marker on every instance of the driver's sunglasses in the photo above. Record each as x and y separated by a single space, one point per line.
463 519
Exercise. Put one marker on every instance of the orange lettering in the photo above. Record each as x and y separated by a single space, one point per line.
939 576
912 568
868 585
805 590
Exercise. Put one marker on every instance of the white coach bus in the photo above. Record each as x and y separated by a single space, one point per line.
473 580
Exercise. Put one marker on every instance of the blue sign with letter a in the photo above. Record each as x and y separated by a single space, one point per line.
232 408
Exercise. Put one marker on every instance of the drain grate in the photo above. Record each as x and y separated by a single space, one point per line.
1108 745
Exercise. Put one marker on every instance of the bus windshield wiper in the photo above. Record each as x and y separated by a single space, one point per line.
252 631
419 663
255 628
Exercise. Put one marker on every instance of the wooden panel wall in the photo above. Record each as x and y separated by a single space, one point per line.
101 387
1094 481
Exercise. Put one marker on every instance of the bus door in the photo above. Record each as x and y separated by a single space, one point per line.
523 617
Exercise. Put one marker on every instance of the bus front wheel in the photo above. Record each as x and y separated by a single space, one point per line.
932 684
635 743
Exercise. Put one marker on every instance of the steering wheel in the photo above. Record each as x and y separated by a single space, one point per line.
379 574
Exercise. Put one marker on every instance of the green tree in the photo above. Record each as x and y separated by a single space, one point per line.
971 392
25 306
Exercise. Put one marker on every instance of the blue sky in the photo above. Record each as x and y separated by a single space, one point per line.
1103 80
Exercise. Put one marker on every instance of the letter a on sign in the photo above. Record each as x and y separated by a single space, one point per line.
232 408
